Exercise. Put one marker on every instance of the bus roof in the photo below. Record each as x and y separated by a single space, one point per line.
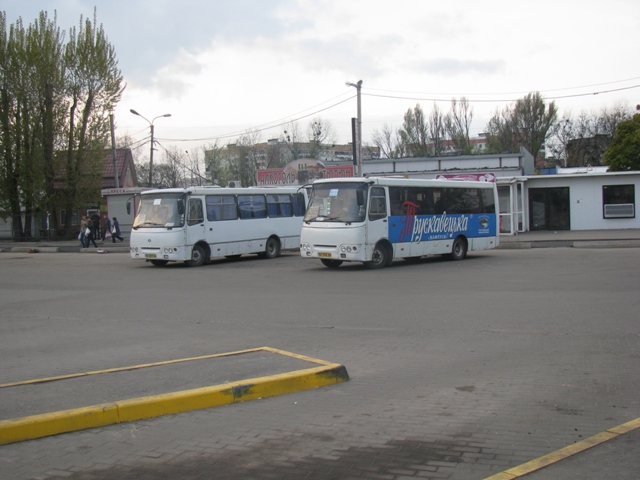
408 182
214 189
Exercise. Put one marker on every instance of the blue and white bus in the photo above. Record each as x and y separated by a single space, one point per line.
196 224
376 220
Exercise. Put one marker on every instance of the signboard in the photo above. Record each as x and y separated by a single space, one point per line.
475 177
301 172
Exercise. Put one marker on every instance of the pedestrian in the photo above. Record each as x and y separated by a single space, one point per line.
90 238
106 233
95 218
83 231
115 231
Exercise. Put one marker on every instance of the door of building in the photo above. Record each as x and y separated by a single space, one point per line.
549 209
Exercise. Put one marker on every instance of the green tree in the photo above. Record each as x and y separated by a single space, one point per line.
414 133
458 123
93 87
528 123
624 152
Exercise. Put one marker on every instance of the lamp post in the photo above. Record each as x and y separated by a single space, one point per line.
358 87
151 149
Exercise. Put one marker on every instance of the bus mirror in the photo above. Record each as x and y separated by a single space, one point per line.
129 207
360 197
180 207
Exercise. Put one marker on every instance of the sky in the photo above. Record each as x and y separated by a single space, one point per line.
224 67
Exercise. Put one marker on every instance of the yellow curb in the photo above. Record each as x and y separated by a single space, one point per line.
37 426
565 452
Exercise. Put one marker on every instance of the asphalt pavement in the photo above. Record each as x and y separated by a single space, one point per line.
608 454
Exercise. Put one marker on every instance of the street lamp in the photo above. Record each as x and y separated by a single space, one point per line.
151 150
358 87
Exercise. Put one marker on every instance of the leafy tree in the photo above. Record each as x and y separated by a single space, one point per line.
527 123
414 133
53 97
624 152
502 132
458 123
437 131
93 86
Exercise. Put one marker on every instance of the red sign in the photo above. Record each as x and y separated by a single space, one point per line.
474 177
306 172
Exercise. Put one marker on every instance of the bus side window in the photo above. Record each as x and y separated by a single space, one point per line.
195 212
378 204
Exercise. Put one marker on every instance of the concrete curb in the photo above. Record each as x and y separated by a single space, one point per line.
631 243
568 451
37 426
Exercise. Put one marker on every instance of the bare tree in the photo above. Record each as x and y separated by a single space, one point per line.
293 140
245 161
320 134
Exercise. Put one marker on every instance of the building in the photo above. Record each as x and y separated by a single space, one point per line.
588 198
122 173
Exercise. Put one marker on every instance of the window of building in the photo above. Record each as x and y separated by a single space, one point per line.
63 218
618 201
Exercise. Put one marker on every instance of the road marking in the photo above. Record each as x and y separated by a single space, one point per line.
565 452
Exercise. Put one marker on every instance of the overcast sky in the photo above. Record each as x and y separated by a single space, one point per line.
221 67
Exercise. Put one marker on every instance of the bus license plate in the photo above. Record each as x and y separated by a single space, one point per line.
149 255
324 254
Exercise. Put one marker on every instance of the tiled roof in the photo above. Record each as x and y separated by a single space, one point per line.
124 159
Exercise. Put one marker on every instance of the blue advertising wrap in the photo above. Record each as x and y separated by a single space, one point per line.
423 228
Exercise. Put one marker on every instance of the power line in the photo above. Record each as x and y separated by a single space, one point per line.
397 97
232 135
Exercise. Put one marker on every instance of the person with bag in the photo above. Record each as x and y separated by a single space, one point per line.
83 232
89 232
106 233
115 231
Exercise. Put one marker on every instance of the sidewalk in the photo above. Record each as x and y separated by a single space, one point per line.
629 238
62 246
572 238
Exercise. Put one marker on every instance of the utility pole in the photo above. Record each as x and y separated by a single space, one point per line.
151 149
358 87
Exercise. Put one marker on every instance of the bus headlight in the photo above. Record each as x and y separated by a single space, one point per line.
305 246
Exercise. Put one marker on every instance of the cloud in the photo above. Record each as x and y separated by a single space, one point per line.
456 66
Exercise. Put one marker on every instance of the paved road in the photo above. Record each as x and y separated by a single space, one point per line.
458 370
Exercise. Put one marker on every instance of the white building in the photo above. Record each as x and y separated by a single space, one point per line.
573 199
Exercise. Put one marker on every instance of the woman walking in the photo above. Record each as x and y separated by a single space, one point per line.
115 231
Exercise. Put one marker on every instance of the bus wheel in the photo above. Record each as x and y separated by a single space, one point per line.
380 257
331 263
159 263
459 249
197 257
272 249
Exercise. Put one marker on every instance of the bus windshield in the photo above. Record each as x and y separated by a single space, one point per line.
165 210
337 202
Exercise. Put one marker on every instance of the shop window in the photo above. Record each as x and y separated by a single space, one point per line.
618 201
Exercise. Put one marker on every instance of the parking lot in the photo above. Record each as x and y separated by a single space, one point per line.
458 370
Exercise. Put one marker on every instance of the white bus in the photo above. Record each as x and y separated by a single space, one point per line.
375 220
196 224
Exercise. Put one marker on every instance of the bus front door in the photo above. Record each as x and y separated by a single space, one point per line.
195 222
